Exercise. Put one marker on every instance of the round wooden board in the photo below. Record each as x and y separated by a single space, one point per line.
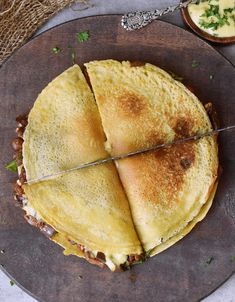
178 274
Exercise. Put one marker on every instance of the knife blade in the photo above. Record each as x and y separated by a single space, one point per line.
130 154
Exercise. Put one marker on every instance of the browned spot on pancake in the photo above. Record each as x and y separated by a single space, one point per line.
136 63
130 104
175 160
165 173
185 163
182 127
173 155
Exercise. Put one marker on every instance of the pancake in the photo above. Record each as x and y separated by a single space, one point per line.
141 106
201 215
88 208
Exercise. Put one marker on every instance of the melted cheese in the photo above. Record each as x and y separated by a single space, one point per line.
30 210
197 11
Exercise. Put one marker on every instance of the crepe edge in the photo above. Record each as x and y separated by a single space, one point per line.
201 215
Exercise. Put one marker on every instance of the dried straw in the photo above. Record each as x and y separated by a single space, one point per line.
19 19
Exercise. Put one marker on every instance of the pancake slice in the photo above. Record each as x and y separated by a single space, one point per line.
87 207
141 106
201 215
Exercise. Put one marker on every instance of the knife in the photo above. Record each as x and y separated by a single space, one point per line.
139 19
134 153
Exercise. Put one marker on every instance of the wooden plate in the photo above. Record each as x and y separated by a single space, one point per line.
178 274
188 21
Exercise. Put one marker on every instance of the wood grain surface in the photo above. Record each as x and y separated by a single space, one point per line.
179 274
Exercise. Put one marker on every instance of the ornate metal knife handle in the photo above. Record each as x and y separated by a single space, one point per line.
137 20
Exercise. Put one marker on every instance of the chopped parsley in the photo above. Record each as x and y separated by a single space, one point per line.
209 260
83 36
233 258
195 64
213 19
214 25
228 10
212 11
12 282
56 50
11 166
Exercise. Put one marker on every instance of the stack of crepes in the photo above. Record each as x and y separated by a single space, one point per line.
120 213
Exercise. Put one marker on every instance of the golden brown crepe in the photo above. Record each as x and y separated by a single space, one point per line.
141 106
201 215
89 206
161 195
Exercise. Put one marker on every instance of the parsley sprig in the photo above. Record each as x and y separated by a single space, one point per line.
215 20
11 166
56 49
195 64
83 36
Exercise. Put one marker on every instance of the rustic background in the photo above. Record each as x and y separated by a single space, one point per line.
111 6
